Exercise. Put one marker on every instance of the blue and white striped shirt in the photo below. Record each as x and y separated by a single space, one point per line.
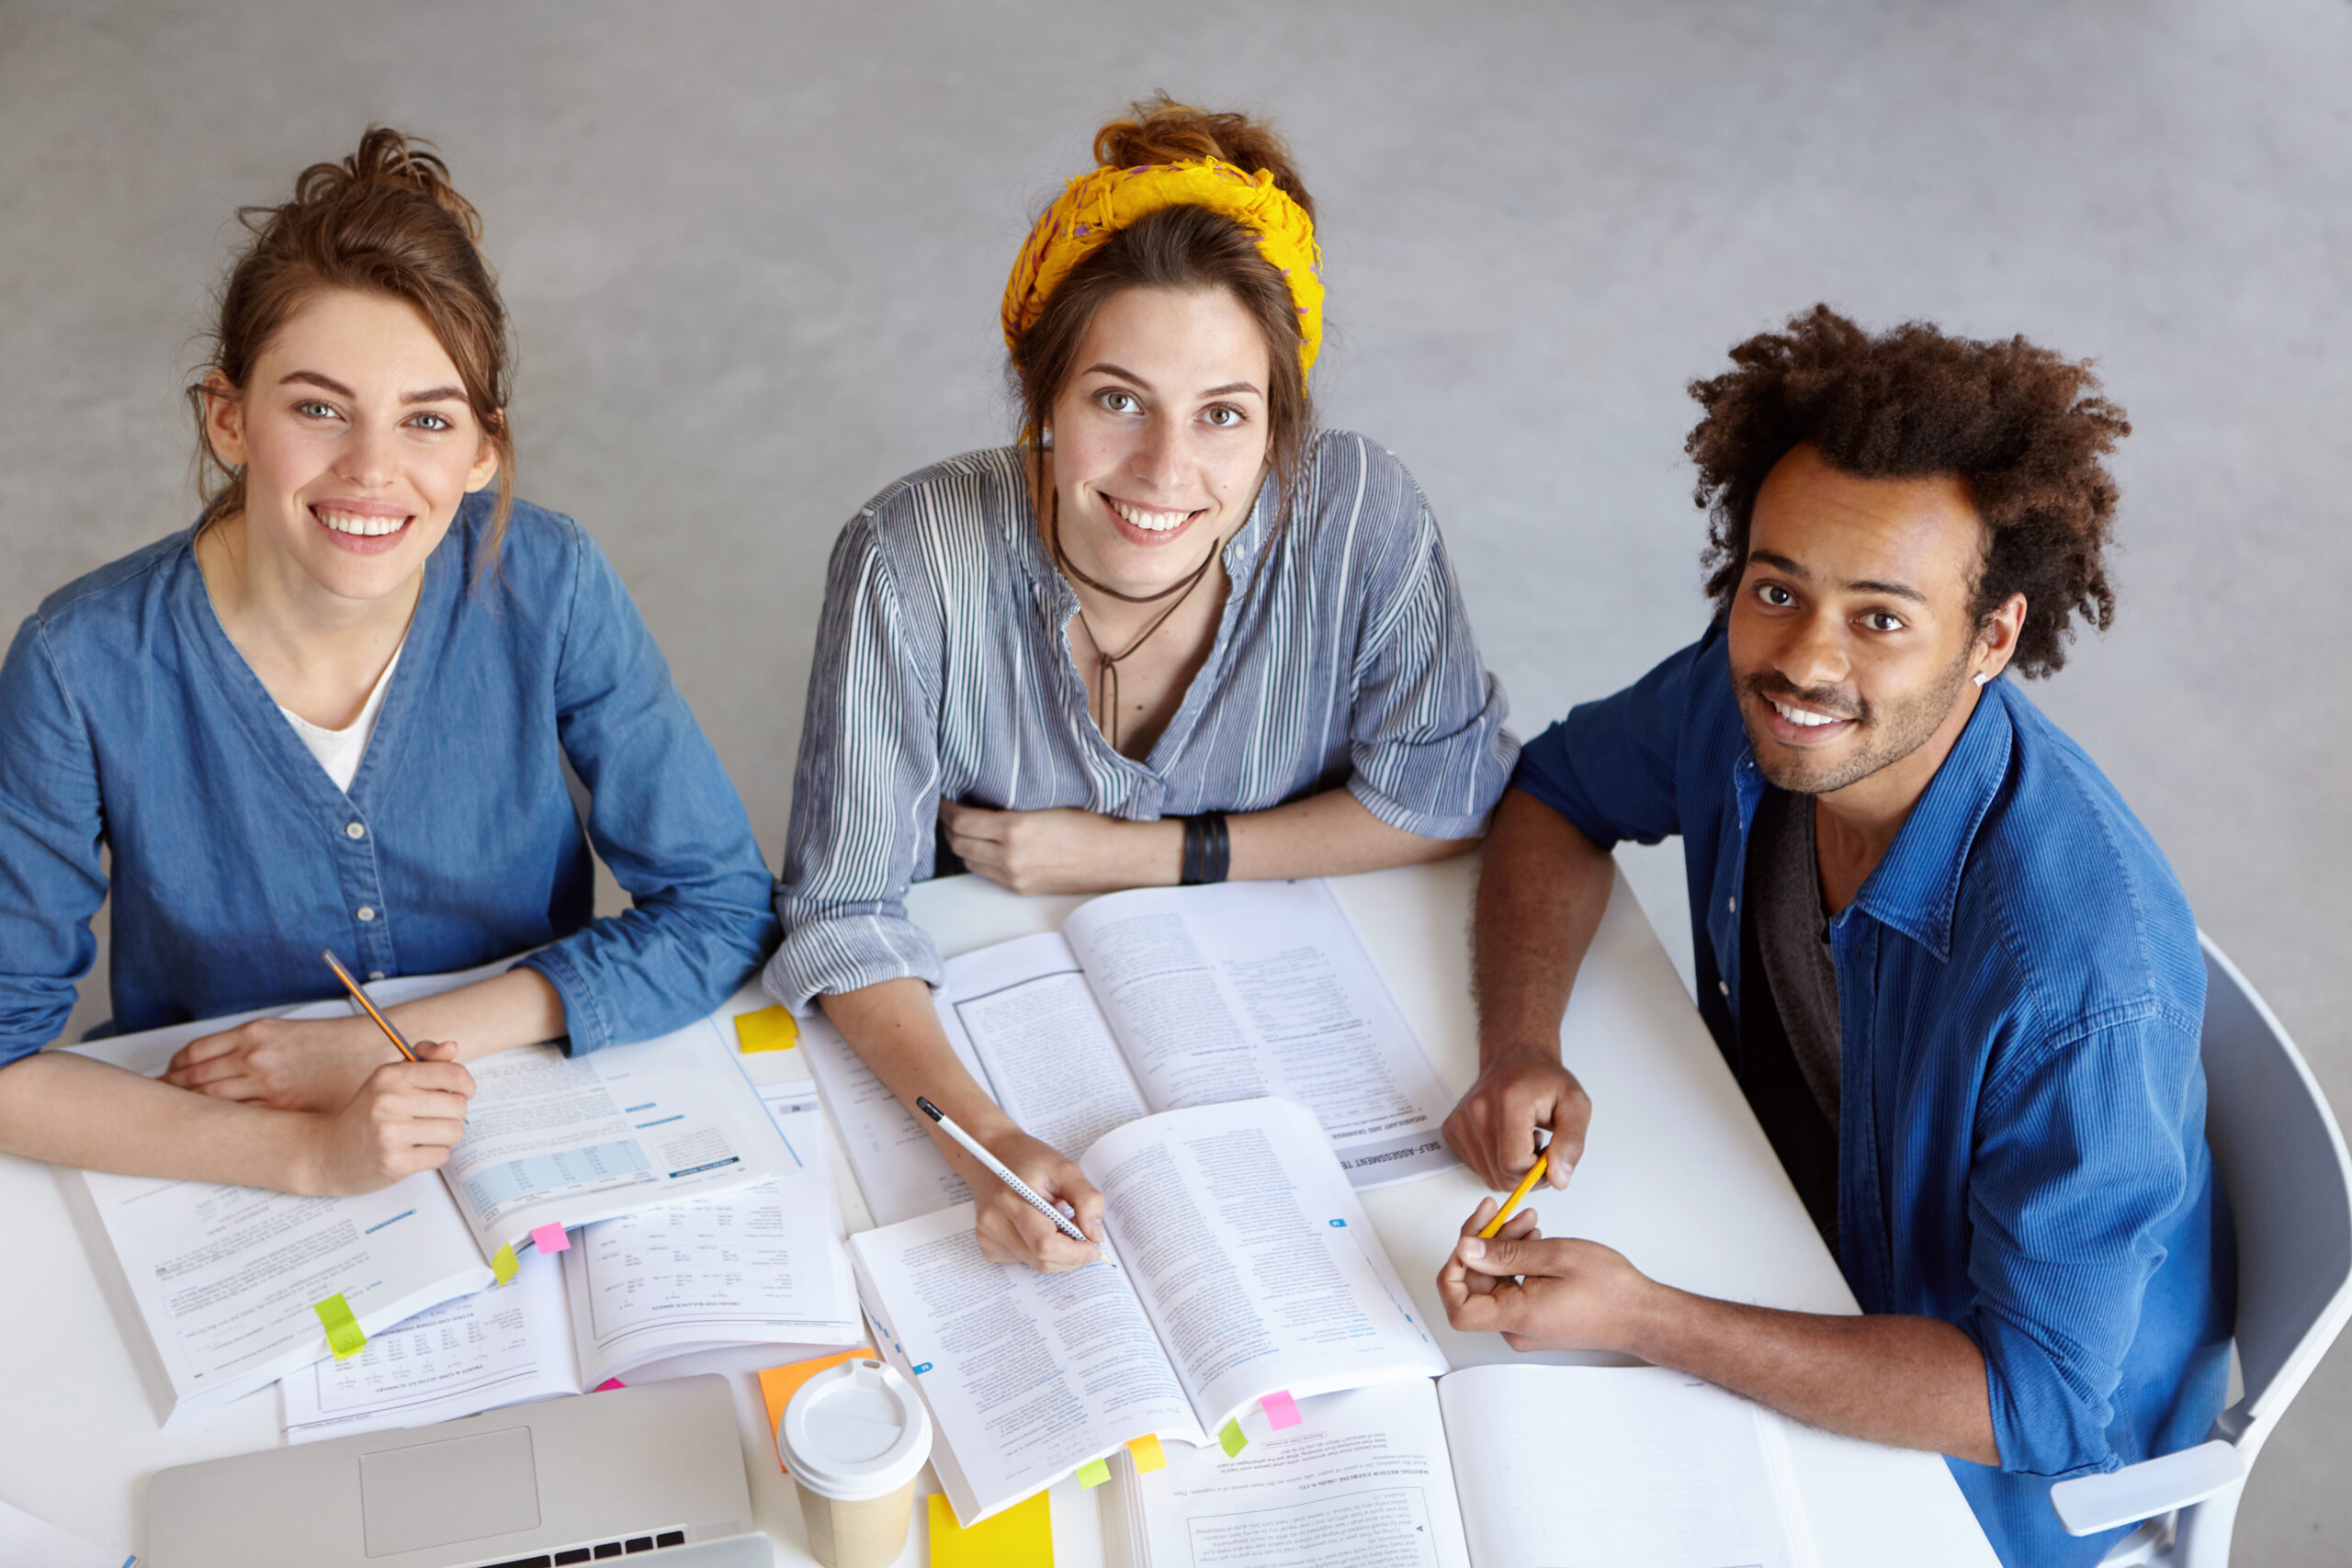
1343 656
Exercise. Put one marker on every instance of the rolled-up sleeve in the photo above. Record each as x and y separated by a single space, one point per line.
665 817
1430 752
1611 767
2080 1163
864 793
51 882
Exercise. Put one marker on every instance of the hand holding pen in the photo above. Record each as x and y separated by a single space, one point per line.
405 1118
1033 1206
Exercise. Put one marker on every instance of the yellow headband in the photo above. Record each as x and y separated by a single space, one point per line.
1094 207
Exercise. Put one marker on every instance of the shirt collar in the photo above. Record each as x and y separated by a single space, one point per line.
1916 886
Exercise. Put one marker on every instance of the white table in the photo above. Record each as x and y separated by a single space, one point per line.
1675 1175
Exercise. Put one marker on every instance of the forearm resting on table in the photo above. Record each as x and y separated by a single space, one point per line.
1542 892
892 1026
1912 1382
521 1007
71 1111
1328 834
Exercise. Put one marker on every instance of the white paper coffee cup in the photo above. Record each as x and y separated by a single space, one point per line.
855 1437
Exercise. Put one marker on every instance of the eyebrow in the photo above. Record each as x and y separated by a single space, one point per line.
1125 374
1779 562
432 395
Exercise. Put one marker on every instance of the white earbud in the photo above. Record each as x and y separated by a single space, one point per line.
1982 678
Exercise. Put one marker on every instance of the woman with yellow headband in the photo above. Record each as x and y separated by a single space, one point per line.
1176 634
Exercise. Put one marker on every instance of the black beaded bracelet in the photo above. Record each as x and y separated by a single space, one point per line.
1209 849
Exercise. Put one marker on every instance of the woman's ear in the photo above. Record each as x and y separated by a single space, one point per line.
485 467
224 420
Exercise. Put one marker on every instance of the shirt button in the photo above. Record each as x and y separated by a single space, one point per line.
366 911
1724 986
354 830
1732 904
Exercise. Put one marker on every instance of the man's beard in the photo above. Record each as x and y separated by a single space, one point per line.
1887 736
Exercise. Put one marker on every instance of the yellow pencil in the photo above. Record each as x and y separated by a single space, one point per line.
382 1021
1526 1185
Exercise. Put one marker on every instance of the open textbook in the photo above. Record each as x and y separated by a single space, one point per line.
760 1265
226 1280
1240 1265
1154 1000
1491 1467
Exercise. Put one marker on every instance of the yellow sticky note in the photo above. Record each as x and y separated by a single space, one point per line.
1093 1473
343 1329
1149 1455
1232 1440
504 1265
1021 1537
777 1383
769 1029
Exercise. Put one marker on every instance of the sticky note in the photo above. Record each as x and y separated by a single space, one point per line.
1282 1410
504 1265
608 1382
1021 1537
343 1329
1149 1455
777 1386
550 1239
769 1029
1093 1473
1231 1440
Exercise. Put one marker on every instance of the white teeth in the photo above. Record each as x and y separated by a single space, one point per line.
1798 715
1150 522
366 527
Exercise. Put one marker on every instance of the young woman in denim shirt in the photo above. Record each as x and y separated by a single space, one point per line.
336 714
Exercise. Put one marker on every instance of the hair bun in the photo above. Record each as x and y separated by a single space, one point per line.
387 161
1160 130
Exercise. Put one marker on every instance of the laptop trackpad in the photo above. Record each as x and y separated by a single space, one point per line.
440 1493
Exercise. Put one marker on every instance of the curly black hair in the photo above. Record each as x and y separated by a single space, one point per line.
2024 427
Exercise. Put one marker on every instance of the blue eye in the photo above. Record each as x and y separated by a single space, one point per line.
313 409
432 421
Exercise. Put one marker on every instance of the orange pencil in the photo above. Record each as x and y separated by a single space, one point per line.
382 1021
1526 1185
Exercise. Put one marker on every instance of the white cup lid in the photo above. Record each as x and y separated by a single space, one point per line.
855 1431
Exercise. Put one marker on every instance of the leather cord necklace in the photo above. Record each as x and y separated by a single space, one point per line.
1106 663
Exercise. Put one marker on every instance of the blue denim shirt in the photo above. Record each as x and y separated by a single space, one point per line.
2021 1147
130 723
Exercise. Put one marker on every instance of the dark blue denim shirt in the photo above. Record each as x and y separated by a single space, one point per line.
2021 1147
130 723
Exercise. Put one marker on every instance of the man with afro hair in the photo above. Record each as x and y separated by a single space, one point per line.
1954 976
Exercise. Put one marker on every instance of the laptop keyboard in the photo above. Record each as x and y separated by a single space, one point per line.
628 1546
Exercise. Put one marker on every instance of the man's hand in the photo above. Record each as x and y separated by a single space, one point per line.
1542 1294
285 1064
405 1118
1010 1230
1519 1093
1063 850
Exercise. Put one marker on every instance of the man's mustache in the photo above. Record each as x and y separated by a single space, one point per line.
1825 699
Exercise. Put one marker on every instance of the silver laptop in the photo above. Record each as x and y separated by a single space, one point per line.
652 1474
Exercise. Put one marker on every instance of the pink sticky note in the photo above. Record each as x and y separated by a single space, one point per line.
1282 1410
608 1382
550 1239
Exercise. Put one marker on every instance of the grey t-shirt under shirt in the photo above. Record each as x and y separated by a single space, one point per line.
1792 939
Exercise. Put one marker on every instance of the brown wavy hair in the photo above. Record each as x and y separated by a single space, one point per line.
1183 247
384 220
2026 429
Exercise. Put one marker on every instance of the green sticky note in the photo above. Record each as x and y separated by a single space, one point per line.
343 1329
1093 1472
1231 1440
504 1266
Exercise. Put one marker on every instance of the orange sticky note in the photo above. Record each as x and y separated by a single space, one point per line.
1149 1455
1021 1537
769 1029
777 1383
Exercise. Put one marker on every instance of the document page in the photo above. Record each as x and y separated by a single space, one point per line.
1028 1375
1027 1013
494 1348
570 1140
1253 1257
1247 989
1620 1467
760 1265
1363 1482
899 1170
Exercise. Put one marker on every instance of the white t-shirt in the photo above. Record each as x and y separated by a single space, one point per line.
339 750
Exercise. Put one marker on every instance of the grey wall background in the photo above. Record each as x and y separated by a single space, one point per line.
753 253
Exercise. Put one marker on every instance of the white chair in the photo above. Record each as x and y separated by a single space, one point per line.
2280 1158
